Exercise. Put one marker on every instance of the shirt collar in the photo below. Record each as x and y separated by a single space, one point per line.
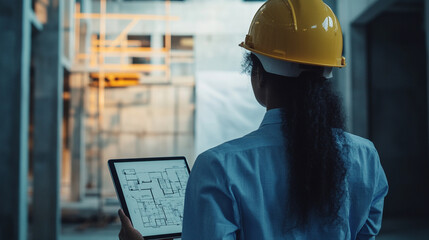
272 116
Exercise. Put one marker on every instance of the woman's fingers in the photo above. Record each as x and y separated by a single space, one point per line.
124 219
127 230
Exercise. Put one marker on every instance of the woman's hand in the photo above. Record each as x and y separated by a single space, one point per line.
128 232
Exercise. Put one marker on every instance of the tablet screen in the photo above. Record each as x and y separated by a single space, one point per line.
154 192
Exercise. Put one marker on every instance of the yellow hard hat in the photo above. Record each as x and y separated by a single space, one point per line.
298 31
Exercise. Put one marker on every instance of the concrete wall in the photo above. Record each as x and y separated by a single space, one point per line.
15 45
142 121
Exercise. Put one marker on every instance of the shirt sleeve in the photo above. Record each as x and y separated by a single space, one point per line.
373 223
210 211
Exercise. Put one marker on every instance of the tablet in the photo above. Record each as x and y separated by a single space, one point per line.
152 193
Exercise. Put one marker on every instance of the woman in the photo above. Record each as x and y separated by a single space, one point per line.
300 175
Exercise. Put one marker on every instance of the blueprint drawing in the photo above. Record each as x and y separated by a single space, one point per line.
158 194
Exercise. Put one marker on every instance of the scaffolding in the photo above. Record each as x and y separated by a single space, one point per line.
121 47
107 62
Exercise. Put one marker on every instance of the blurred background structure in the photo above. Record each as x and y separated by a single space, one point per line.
84 81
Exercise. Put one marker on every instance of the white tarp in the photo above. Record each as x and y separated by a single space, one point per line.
225 108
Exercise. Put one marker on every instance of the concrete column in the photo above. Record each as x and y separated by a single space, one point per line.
359 64
48 111
14 109
77 130
360 108
426 14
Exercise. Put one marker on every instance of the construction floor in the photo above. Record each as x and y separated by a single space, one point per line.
392 230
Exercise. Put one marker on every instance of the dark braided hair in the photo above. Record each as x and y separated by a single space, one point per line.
313 125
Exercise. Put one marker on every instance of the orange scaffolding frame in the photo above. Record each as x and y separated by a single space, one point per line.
121 47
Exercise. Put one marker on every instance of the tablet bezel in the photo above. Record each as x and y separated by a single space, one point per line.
120 193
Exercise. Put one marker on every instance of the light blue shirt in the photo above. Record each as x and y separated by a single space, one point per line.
238 190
